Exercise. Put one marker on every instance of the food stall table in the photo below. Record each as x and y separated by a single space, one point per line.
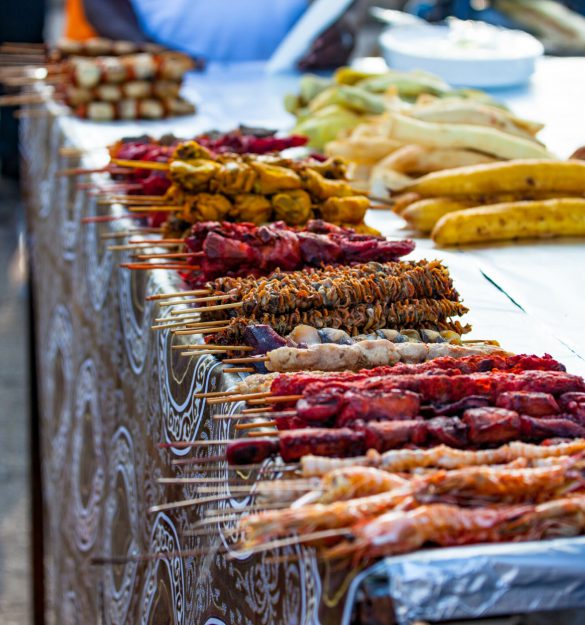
110 389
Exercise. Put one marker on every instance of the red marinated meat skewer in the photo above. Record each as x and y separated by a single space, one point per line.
324 399
477 428
294 384
244 249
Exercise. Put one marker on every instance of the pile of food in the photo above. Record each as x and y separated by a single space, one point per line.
396 126
499 201
441 453
258 189
105 80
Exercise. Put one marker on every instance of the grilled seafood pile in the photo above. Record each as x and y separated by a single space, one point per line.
357 299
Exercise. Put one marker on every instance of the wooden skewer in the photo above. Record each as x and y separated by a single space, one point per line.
214 394
80 171
256 424
190 553
245 359
139 198
199 480
257 489
211 352
209 298
279 399
149 266
199 331
141 164
186 503
240 370
165 326
130 200
157 242
261 434
231 348
241 397
249 411
205 462
163 296
99 219
207 324
163 208
295 540
127 233
168 255
133 245
189 444
234 417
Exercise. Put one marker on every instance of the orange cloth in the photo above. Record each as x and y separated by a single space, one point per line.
76 24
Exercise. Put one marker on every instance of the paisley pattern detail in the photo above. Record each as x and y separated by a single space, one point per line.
99 261
136 315
120 525
87 471
58 389
110 390
164 574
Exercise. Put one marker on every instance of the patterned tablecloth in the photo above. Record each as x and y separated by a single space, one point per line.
111 390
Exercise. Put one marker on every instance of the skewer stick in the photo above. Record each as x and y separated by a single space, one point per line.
256 424
245 359
141 164
127 233
295 540
148 266
207 308
176 324
207 324
186 503
206 462
168 255
280 399
80 171
130 200
214 394
234 417
241 397
99 219
211 352
240 370
133 245
141 198
243 348
190 553
157 242
148 208
209 298
164 296
200 331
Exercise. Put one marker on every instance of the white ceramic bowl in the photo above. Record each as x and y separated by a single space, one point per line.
469 54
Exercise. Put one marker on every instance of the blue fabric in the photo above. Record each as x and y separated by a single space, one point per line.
220 30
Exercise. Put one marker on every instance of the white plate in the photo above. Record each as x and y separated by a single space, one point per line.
468 54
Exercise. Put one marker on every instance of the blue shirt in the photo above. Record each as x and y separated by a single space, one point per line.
220 30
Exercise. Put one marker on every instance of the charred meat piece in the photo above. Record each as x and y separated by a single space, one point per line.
557 427
492 426
388 435
529 403
449 431
250 451
393 406
342 443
